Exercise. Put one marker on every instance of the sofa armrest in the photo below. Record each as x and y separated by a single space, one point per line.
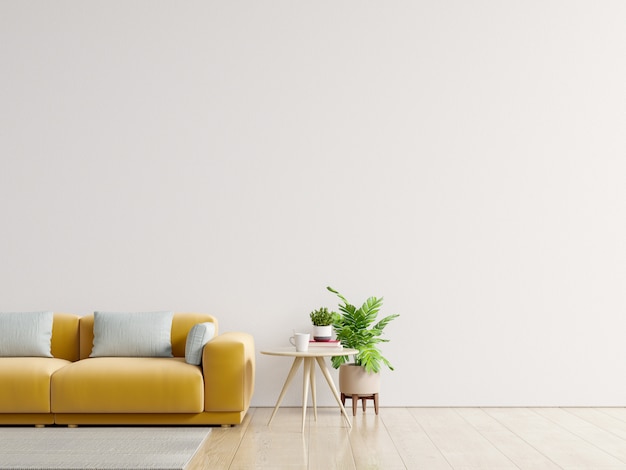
228 365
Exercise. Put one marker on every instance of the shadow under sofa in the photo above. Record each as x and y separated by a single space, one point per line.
72 389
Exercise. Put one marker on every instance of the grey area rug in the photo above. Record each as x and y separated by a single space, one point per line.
56 448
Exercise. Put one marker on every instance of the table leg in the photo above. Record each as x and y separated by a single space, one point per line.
294 367
313 389
306 377
329 379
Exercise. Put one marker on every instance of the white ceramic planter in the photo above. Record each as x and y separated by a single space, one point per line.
322 333
353 380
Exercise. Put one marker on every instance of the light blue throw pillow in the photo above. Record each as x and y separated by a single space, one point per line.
198 336
132 334
25 334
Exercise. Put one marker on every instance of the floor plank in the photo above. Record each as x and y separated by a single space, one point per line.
423 438
461 444
329 442
372 446
559 445
618 413
219 448
416 449
600 419
515 448
605 440
279 446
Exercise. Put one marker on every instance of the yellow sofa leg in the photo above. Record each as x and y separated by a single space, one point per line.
40 425
227 426
72 425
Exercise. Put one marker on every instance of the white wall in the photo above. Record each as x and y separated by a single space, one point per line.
464 159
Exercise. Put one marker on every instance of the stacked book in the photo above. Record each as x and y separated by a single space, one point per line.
333 343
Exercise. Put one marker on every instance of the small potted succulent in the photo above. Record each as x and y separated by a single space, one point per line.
323 321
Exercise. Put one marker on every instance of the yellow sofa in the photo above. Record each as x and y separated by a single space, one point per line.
72 388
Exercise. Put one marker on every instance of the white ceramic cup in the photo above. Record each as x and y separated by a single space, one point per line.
300 341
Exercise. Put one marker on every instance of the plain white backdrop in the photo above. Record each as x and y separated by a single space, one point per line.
464 159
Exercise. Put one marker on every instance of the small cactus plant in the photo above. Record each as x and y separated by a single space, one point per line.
322 317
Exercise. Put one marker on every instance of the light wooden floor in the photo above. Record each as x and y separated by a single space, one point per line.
425 438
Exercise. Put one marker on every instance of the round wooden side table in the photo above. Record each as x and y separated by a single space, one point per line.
309 358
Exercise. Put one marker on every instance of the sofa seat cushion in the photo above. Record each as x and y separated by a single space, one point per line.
25 383
128 385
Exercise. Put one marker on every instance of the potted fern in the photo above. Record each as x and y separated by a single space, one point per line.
322 321
356 329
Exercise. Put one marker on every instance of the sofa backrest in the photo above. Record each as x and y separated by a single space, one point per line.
64 343
181 324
